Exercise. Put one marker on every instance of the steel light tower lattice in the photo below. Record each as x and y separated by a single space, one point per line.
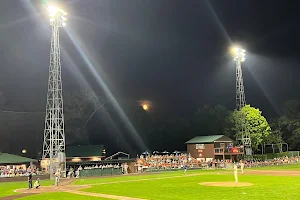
243 136
54 134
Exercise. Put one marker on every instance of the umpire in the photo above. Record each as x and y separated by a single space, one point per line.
30 180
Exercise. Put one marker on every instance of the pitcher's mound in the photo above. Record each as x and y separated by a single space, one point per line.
226 184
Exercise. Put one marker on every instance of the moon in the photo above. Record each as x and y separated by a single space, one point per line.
145 107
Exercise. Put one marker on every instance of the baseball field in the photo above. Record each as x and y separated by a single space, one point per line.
276 182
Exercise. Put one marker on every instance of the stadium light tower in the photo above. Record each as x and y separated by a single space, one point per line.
243 136
54 134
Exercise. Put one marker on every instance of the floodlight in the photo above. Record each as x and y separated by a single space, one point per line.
52 9
238 53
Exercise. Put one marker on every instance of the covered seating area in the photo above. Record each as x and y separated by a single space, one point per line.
14 166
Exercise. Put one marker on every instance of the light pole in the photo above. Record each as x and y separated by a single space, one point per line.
242 136
239 57
54 134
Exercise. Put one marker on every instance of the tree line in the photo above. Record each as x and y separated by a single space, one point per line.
171 132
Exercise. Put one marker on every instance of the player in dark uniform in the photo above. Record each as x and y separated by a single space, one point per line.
30 180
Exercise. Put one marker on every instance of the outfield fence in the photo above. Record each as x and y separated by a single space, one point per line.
100 172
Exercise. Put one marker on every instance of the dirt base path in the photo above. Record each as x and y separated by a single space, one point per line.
66 187
66 181
273 172
74 189
268 172
52 189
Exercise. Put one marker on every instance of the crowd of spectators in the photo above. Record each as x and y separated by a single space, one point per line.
164 162
15 171
101 166
75 172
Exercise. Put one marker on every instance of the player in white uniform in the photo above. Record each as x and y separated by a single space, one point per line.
242 166
57 177
235 172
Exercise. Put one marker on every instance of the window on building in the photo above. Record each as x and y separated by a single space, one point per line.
200 146
222 145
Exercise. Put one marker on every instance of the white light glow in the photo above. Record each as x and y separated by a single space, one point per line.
52 9
238 53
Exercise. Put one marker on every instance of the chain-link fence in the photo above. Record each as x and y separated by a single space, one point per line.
293 153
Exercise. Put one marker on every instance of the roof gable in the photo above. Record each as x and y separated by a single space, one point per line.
207 139
84 151
224 138
6 158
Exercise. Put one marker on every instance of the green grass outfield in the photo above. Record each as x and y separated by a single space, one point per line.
176 185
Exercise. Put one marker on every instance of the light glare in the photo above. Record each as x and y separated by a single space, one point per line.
52 9
238 53
145 107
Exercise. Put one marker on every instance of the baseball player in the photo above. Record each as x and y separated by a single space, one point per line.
235 172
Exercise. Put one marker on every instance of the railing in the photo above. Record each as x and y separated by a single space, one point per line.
219 150
237 150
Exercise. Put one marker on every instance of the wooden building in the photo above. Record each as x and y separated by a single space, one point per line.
211 147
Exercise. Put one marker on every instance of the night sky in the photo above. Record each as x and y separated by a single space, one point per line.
173 53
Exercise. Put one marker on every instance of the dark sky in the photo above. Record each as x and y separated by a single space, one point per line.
171 52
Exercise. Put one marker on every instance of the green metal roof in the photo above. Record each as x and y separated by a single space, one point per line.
6 158
205 139
102 162
84 151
